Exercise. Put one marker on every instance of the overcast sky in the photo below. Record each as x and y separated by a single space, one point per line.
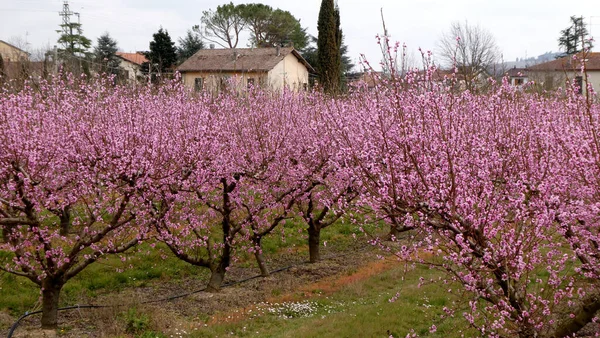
521 27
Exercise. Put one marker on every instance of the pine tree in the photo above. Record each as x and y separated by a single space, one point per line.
574 38
328 47
189 45
105 53
162 54
73 41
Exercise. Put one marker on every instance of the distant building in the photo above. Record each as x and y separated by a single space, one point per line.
131 63
554 74
273 68
11 53
517 76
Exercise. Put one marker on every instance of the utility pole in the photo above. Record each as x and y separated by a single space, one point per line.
78 29
67 28
55 59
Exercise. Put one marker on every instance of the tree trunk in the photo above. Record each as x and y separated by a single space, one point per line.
50 296
218 270
314 239
589 307
527 331
65 221
394 233
264 271
216 280
6 230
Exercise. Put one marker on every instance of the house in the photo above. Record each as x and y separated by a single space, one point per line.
517 76
553 74
131 63
11 53
274 68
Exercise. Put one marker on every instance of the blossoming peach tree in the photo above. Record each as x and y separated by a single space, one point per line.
500 189
78 164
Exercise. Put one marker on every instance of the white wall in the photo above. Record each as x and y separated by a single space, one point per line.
290 72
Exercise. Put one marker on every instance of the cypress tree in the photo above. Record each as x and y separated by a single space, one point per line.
328 47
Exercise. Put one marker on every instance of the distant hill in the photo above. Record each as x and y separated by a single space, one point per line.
501 68
526 62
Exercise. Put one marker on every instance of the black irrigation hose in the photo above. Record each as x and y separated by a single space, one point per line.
27 314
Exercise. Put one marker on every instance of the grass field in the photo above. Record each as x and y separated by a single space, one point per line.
351 301
358 309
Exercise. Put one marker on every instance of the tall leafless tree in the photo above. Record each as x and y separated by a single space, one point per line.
471 49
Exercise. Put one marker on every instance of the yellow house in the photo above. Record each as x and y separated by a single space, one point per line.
274 68
11 53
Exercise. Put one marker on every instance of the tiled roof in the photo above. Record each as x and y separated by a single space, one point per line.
136 58
239 60
569 63
516 72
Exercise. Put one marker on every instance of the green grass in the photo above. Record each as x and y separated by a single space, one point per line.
18 294
144 264
360 309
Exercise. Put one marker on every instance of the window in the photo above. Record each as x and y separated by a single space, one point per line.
198 84
579 84
518 82
224 82
250 83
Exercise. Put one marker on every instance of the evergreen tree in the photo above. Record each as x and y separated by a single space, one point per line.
105 53
574 38
162 54
328 47
73 41
269 27
257 19
189 45
310 55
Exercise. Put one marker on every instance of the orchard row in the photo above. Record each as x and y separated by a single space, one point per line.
501 189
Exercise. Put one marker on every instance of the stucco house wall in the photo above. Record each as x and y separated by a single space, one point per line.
11 53
131 64
289 73
132 70
273 68
214 82
550 80
555 74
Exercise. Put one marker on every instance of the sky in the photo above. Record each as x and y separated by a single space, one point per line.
522 28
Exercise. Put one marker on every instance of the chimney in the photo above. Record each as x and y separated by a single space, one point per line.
278 50
212 46
235 55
